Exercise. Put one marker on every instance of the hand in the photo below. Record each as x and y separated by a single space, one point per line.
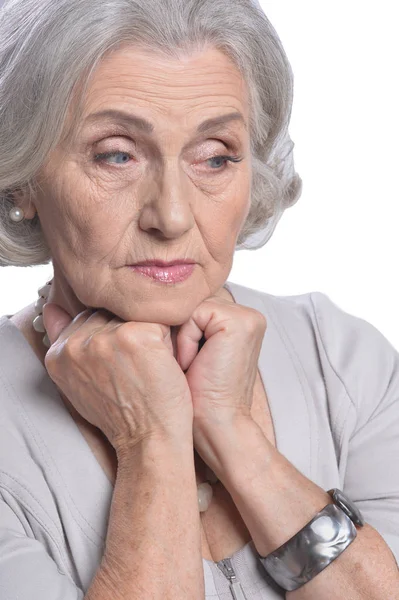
221 376
120 376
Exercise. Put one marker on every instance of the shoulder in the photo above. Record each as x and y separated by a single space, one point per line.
364 359
356 359
344 337
22 468
23 486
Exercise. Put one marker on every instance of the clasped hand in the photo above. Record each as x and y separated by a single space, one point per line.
222 374
122 395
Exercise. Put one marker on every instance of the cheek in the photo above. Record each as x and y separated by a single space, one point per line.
235 207
221 226
243 204
78 223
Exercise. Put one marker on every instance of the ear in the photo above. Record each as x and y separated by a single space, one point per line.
23 199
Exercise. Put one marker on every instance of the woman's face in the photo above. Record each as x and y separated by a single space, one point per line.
159 194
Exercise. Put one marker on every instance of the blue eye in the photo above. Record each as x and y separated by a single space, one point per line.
100 158
103 157
225 159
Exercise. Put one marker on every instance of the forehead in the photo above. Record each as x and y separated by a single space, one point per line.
190 90
195 81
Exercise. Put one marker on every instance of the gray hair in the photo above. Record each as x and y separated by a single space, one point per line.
49 50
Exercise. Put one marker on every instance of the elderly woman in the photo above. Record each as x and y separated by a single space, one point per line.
174 436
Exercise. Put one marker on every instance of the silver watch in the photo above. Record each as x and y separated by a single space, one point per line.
316 545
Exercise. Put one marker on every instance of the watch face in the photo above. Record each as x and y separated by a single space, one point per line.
347 506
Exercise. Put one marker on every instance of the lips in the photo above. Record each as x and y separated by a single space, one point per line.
162 263
169 274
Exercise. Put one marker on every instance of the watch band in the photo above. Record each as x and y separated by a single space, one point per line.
312 549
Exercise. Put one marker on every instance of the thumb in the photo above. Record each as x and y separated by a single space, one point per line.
55 320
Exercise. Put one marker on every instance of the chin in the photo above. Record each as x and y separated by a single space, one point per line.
174 316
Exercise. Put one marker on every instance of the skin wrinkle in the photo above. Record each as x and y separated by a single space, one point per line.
147 127
167 201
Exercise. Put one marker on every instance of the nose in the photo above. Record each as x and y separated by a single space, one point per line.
168 212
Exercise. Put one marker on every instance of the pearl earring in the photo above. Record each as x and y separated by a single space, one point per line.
16 214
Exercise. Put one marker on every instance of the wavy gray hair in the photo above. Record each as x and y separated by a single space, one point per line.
48 52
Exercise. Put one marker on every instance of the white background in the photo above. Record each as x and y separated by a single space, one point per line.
341 237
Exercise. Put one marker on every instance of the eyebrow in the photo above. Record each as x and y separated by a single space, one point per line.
142 124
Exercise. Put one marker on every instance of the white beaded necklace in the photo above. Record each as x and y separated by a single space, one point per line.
204 490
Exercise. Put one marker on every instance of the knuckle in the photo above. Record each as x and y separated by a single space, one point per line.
99 345
70 347
262 320
50 361
258 318
135 333
125 333
256 322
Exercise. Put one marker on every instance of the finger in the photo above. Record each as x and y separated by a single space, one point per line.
102 320
59 324
55 320
88 322
187 341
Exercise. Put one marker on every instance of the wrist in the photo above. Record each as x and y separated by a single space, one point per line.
155 448
233 451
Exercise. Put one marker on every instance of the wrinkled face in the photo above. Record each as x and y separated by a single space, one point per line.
150 184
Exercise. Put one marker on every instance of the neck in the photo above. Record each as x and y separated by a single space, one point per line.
62 294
